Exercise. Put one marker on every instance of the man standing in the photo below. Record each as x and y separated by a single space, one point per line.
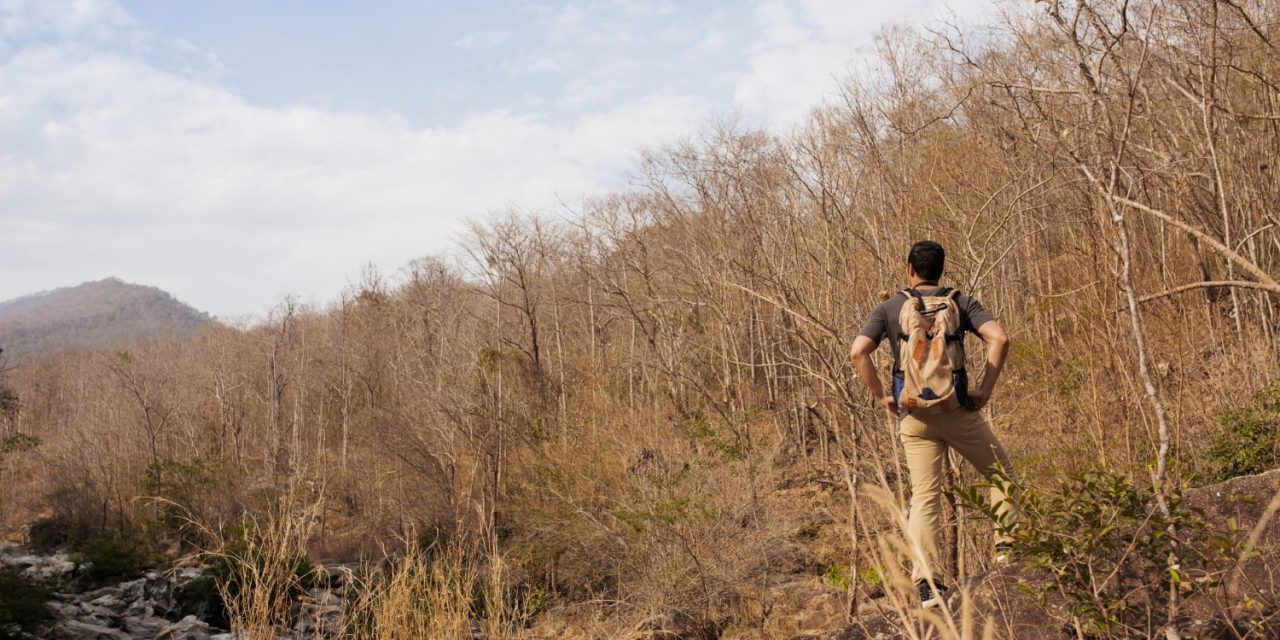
934 414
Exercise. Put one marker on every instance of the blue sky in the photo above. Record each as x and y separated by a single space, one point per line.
434 66
233 152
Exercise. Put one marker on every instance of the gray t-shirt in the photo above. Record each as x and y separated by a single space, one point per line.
884 318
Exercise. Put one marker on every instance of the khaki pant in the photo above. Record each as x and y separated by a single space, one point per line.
926 439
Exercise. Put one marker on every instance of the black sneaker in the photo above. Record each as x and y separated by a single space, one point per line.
1004 553
931 596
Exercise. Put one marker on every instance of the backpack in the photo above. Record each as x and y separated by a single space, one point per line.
931 353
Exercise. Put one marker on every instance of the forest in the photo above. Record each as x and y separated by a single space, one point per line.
642 404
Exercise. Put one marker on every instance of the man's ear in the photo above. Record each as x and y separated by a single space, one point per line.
911 270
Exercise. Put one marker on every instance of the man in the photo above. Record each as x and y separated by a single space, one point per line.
926 435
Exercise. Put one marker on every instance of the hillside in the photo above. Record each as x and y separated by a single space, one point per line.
645 417
100 314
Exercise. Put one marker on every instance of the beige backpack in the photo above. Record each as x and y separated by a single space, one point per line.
931 353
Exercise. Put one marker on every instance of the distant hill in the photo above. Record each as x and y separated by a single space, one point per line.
98 314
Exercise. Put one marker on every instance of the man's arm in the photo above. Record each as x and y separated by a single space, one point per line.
860 354
997 348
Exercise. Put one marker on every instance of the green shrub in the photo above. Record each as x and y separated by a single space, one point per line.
18 443
1107 549
190 497
23 603
55 532
1248 439
113 556
837 575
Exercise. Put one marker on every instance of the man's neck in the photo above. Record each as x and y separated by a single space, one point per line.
916 283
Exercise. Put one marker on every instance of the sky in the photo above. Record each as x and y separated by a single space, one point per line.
233 152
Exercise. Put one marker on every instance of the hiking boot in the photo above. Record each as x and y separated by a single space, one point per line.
1004 553
931 596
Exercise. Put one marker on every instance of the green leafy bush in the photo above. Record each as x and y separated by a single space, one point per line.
1248 439
113 556
55 532
1108 550
17 443
23 603
837 575
190 497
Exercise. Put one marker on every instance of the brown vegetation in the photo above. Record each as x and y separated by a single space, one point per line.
645 405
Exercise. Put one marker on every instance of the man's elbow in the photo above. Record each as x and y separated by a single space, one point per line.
857 356
1000 344
994 335
861 350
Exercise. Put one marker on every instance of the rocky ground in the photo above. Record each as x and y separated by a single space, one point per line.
160 605
157 605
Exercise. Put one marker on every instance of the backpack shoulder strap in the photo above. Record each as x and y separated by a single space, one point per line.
911 293
954 296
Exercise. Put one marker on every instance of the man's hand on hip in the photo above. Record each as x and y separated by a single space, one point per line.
979 398
889 404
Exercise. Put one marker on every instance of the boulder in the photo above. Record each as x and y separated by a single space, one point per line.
62 609
146 627
110 601
45 567
188 628
139 609
183 575
318 619
133 589
97 614
79 630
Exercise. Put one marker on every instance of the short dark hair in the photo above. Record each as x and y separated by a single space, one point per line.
928 258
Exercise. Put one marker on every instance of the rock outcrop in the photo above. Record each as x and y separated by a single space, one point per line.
158 605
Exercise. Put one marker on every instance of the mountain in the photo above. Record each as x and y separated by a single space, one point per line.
100 314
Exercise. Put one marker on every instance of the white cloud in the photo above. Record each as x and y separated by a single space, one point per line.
112 166
807 46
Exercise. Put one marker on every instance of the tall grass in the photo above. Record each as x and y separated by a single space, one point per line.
434 593
262 566
453 590
893 551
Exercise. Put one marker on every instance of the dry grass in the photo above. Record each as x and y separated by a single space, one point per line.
451 591
264 566
434 593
